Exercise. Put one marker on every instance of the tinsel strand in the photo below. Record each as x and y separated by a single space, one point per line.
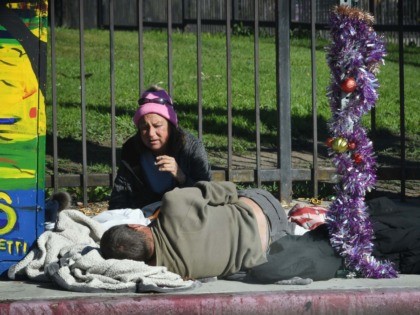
353 56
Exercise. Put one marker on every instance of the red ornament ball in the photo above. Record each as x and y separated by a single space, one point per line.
357 158
351 145
348 85
329 142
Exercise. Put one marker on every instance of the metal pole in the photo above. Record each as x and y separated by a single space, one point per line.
373 111
402 97
314 101
257 93
199 68
54 95
229 85
283 99
169 30
112 87
140 43
83 101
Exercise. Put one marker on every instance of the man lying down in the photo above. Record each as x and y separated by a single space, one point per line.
68 255
213 230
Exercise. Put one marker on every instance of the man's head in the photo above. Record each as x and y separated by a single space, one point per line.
130 241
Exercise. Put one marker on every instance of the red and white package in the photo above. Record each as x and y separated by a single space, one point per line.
308 216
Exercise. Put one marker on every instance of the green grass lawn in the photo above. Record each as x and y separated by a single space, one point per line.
214 91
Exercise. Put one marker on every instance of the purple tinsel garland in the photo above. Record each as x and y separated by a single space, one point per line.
355 52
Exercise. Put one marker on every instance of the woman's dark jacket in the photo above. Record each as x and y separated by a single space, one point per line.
130 186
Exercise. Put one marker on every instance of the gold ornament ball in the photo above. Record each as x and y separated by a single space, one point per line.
339 145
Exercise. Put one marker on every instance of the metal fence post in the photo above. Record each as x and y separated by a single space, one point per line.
283 99
314 102
83 101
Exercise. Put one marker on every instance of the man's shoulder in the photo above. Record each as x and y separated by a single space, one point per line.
175 204
179 197
179 192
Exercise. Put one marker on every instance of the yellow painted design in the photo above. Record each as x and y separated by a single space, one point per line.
19 93
10 214
22 110
13 172
40 32
13 246
5 197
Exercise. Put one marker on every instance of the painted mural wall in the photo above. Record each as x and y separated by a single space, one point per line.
23 42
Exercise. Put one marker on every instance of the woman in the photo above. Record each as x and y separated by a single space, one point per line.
159 157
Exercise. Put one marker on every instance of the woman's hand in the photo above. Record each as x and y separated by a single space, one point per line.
167 163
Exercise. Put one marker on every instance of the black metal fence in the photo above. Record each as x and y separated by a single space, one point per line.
96 12
189 14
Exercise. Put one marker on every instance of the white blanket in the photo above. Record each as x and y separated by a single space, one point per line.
70 257
121 216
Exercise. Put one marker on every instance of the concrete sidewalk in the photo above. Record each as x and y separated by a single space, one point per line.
335 296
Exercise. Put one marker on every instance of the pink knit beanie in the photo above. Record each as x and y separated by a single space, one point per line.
156 102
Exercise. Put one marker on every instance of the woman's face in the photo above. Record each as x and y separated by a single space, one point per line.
155 132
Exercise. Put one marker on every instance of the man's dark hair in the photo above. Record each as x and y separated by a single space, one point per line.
123 242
